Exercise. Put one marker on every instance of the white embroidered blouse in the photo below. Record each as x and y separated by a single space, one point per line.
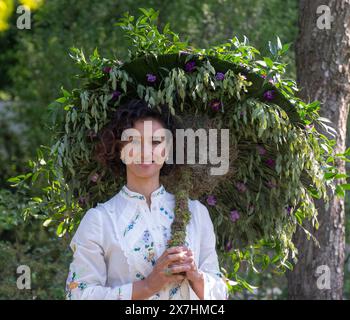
119 241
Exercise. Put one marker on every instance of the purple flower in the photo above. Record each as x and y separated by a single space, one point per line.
228 246
271 184
269 95
116 94
107 69
309 126
189 66
271 163
151 77
215 104
241 187
234 215
220 76
261 150
94 178
274 80
263 76
289 209
211 200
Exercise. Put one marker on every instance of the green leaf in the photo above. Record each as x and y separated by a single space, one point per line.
323 119
269 62
47 222
329 175
37 199
272 48
262 63
16 179
341 176
236 266
60 231
340 191
279 44
61 100
345 186
285 48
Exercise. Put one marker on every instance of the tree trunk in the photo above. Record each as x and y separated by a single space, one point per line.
323 69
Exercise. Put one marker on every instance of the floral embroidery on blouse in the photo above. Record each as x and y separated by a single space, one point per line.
156 296
166 233
131 224
170 216
141 197
161 191
140 276
119 295
73 284
148 247
173 291
136 195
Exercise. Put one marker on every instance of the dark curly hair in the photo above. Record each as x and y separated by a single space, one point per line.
109 144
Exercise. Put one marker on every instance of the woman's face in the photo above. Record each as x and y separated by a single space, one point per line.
146 151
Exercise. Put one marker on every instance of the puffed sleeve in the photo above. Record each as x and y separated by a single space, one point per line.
215 287
87 272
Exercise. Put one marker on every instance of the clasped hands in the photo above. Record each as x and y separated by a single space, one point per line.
187 262
174 265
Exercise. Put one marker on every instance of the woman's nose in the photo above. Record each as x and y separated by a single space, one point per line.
147 152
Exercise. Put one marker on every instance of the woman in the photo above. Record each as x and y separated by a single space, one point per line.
120 245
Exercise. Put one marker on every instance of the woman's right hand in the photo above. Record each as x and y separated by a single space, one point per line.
158 278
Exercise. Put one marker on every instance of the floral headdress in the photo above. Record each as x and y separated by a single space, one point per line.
279 161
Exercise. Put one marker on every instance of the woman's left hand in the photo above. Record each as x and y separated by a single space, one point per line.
193 274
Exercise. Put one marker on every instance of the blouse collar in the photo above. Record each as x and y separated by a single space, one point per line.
132 195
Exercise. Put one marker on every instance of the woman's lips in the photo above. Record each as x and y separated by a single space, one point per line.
145 165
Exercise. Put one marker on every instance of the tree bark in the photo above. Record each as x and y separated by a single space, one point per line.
323 74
